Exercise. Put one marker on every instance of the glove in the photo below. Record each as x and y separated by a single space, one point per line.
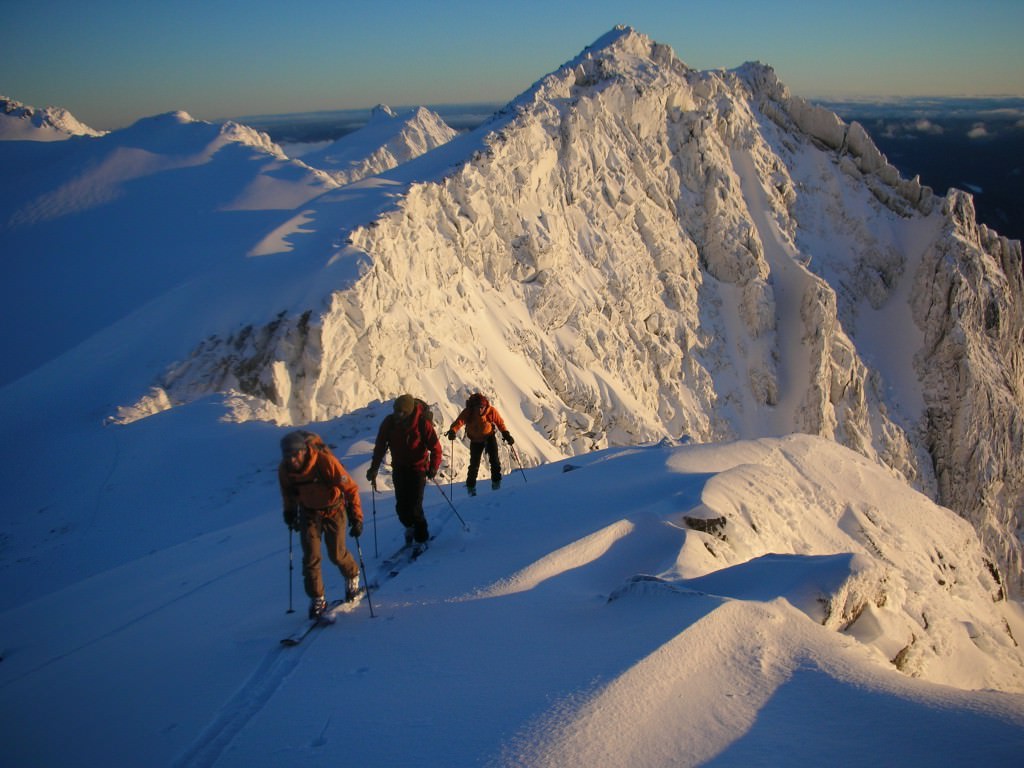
431 474
371 474
507 437
291 519
450 434
355 530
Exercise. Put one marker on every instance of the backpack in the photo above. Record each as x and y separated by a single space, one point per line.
428 414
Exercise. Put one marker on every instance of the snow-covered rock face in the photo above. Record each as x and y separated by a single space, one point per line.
643 250
968 299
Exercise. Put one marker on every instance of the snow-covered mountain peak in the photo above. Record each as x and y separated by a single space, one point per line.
21 122
382 112
621 54
634 249
180 133
623 44
388 140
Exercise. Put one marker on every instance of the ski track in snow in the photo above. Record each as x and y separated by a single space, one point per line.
243 706
267 678
140 618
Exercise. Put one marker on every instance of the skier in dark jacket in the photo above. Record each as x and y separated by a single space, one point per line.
482 422
415 457
318 496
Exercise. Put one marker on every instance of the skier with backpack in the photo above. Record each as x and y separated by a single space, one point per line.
318 497
482 422
408 432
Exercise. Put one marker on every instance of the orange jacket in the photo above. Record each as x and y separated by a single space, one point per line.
322 484
479 424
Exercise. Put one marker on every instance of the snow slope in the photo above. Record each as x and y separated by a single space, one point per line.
579 621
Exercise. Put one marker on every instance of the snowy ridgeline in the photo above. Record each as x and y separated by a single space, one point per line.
632 249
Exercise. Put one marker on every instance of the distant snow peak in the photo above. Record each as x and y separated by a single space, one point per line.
243 134
21 122
385 142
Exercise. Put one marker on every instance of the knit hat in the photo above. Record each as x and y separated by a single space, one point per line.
293 442
404 405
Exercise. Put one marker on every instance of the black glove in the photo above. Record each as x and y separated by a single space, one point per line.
507 437
371 474
431 473
291 519
355 530
450 434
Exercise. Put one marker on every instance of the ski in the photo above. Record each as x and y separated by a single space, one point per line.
328 617
388 562
322 620
392 565
414 554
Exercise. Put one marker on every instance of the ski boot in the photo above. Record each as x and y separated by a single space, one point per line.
317 606
352 589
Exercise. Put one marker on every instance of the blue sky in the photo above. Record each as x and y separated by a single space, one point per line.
113 61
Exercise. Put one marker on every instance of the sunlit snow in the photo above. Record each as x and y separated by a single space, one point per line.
768 598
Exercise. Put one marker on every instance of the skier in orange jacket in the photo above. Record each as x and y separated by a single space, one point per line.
317 497
482 422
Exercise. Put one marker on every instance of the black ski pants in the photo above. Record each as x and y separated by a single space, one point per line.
476 451
409 486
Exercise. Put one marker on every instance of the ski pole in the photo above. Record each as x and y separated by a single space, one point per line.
451 467
366 582
515 455
441 489
373 499
291 570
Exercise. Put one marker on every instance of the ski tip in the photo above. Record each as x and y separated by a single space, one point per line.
289 642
